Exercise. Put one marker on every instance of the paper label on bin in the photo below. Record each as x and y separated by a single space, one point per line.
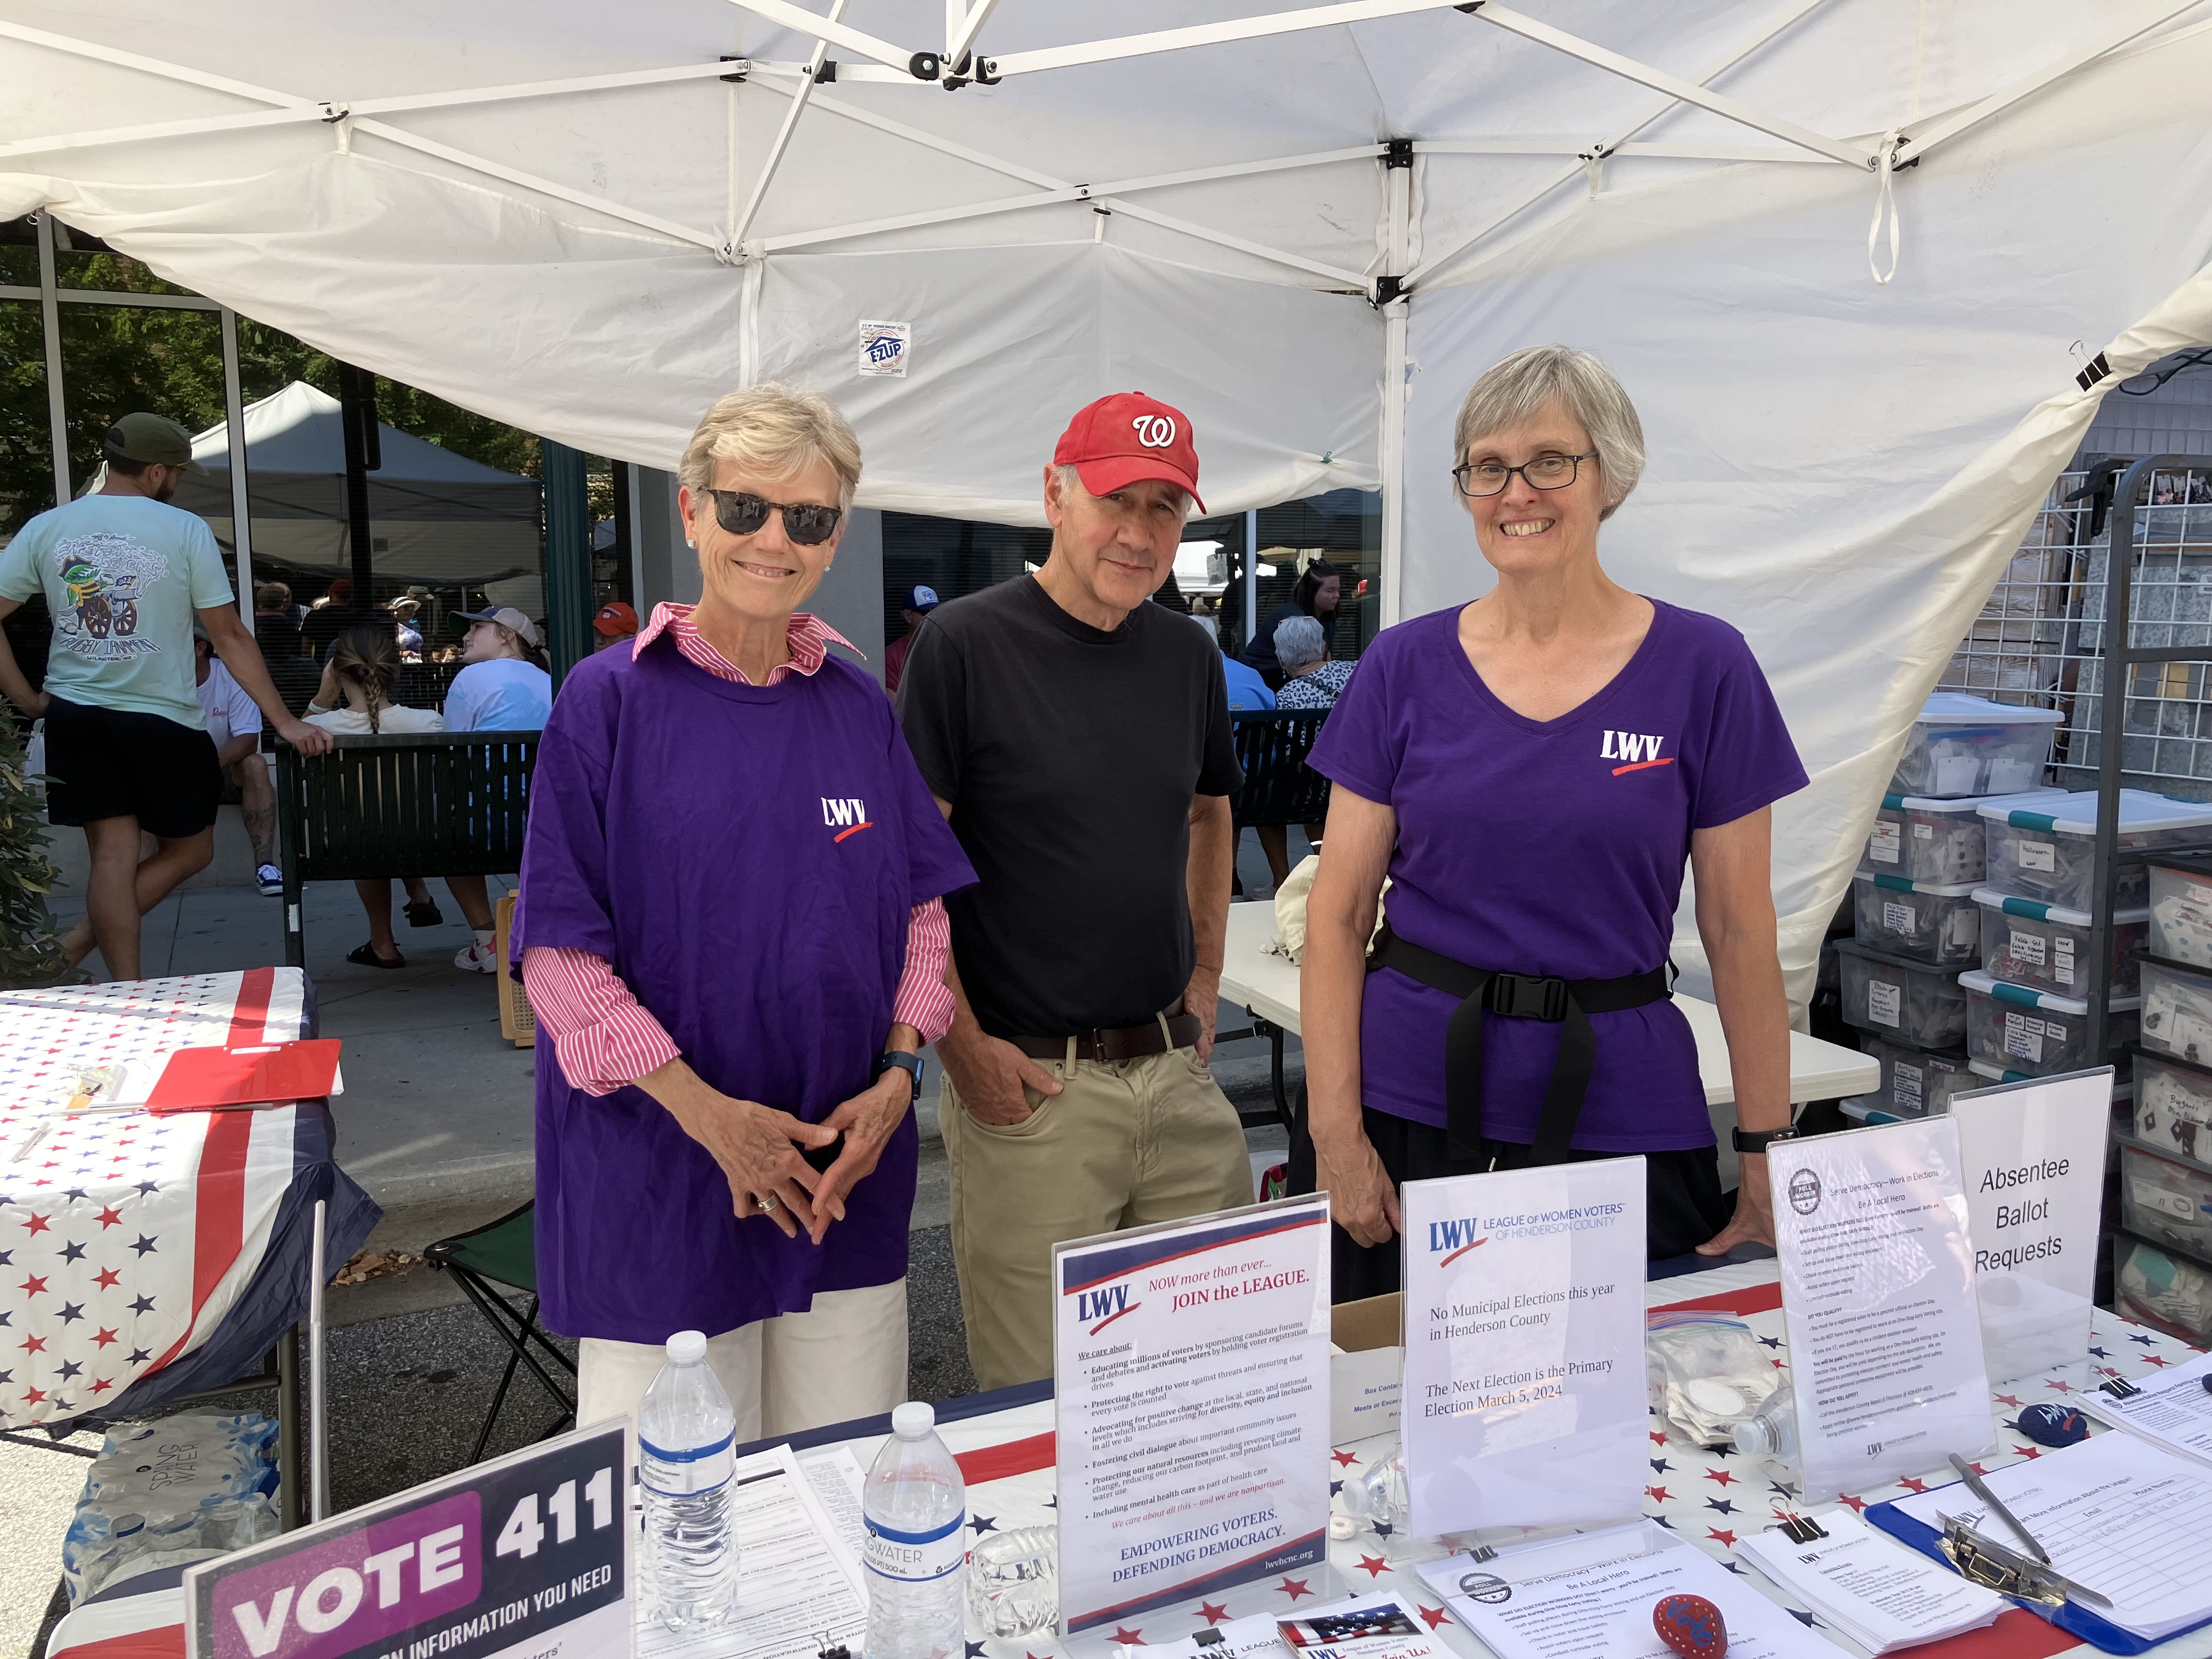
1883 1000
1882 845
2027 947
2152 1196
2023 1037
1906 1080
1923 832
2038 854
1897 918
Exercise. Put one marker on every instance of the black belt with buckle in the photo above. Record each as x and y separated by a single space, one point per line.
1566 1003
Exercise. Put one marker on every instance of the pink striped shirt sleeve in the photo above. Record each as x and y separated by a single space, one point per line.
606 1039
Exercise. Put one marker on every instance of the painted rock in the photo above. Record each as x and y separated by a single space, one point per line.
2054 1424
1692 1626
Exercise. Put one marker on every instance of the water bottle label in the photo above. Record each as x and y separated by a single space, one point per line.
685 1473
916 1558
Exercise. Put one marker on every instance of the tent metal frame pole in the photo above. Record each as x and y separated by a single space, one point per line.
1204 34
1251 575
85 296
1779 24
1398 183
806 85
234 420
1581 149
1948 127
802 22
961 39
50 325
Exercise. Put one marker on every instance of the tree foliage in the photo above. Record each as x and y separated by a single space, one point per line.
30 954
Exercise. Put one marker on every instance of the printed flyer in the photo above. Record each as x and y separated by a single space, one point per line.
1523 1403
1192 1368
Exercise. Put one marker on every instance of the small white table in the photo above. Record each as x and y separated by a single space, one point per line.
1267 985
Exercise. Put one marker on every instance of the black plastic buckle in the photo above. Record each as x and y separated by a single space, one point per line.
1524 996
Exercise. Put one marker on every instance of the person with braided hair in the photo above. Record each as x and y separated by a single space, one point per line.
355 699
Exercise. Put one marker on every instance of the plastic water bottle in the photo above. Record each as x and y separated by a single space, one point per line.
1771 1432
686 1443
916 1507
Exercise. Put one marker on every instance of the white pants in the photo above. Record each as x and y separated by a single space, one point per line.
844 1358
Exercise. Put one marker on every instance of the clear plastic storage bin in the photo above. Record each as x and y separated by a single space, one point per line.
1909 1002
1915 1082
1923 838
2033 1033
2166 1292
2177 1010
1964 746
2048 853
2181 909
2046 947
1928 923
2166 1199
2173 1105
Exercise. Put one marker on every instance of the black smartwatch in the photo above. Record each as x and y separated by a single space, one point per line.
910 1064
1758 1140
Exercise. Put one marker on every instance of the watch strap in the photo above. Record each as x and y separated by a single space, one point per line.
1758 1140
910 1064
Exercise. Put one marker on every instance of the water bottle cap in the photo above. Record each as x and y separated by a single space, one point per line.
687 1347
914 1419
1751 1437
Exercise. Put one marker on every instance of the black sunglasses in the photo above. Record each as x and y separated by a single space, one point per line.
742 514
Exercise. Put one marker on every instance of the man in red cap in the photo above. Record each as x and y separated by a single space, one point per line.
1078 738
616 624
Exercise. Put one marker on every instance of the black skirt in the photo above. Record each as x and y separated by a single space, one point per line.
1684 1203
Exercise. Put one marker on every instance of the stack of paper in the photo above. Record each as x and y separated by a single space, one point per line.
1882 1595
2119 1516
1595 1594
2170 1410
1372 1626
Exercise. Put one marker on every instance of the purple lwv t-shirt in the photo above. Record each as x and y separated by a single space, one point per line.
1552 848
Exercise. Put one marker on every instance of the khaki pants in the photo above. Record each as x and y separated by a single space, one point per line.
1125 1143
844 1358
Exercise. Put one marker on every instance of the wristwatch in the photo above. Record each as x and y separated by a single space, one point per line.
1758 1140
910 1064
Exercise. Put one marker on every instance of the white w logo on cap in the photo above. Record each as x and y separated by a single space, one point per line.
1154 431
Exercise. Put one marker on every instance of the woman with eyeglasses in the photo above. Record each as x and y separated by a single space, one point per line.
731 930
1532 772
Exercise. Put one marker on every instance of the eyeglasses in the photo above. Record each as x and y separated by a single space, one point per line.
1545 472
742 514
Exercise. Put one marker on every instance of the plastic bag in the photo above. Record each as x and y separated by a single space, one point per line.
180 1489
1706 1373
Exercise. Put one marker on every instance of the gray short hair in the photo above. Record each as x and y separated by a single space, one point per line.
1299 641
1522 386
777 429
1071 483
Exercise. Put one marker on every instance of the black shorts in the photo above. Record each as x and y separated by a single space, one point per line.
107 763
1684 1203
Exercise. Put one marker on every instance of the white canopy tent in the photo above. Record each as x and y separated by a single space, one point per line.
436 517
1310 228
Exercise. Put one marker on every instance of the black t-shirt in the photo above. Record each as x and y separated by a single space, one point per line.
1071 757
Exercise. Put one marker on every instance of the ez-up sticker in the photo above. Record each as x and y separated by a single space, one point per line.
1883 1000
2037 854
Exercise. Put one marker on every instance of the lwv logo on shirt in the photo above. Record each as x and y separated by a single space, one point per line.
847 816
1638 749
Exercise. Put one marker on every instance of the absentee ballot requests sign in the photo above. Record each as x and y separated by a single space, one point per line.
526 1555
1191 1365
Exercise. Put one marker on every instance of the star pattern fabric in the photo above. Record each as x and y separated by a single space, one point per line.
109 1266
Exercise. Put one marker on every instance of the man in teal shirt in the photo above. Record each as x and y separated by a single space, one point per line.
127 749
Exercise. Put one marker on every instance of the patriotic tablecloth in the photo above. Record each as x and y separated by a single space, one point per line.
1710 1497
142 1257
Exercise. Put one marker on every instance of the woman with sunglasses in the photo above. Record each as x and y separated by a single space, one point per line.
730 929
1532 772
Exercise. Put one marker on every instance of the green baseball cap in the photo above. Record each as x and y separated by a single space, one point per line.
143 437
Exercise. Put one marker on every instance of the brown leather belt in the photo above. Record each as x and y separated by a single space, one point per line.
1124 1042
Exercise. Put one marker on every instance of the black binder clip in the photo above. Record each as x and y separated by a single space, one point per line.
825 1650
1209 1638
2120 1389
1803 1529
1483 1552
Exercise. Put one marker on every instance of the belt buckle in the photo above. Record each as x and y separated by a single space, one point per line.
1528 996
1095 1038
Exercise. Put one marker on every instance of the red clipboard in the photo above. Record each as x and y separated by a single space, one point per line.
209 1080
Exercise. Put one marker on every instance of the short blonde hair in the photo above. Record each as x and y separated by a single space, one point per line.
1522 386
777 429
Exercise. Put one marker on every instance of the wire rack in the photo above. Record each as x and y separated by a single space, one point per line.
2039 640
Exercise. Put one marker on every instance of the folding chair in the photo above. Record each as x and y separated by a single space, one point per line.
504 1252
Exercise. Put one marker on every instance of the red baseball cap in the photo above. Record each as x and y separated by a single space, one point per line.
616 620
1120 440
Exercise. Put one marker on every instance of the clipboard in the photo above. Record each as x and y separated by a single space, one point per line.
262 1073
2073 1619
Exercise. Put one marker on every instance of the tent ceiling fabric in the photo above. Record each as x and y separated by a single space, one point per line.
1836 464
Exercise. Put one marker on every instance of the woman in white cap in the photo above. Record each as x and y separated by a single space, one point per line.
503 686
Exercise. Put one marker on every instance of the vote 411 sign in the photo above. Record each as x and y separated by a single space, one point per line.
528 1555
